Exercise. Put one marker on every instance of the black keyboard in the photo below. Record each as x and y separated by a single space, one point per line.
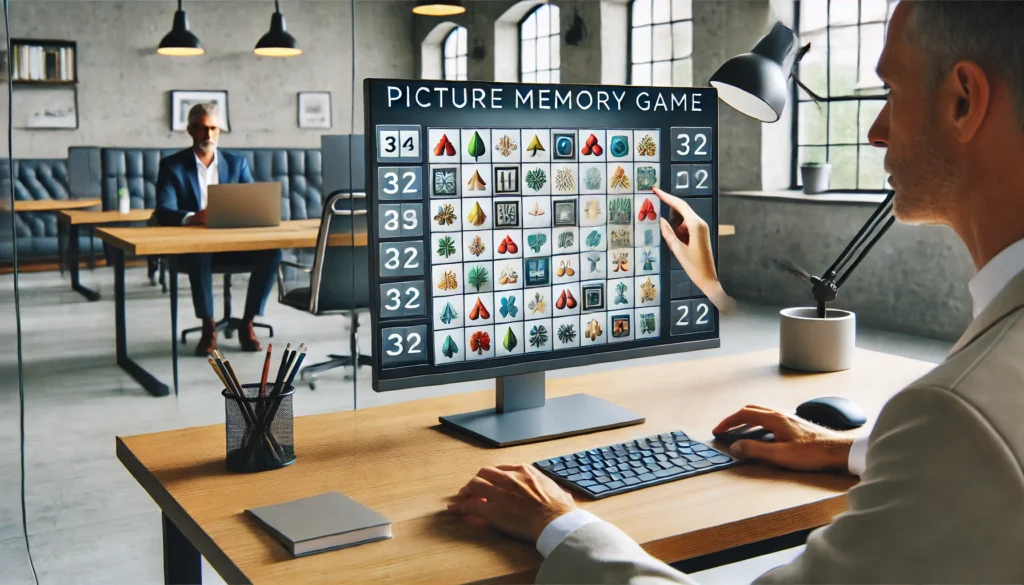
632 465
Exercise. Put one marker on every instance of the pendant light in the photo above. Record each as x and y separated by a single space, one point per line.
277 42
180 42
438 7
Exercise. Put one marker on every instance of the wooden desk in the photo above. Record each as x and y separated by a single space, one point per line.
37 205
170 241
396 460
74 219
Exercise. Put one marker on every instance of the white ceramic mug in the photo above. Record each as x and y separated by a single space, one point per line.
811 344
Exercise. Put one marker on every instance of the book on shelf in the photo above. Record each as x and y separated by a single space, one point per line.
42 62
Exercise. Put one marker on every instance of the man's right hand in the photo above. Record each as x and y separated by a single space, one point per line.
197 218
798 445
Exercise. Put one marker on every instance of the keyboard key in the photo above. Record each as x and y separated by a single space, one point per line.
598 465
701 464
708 454
572 465
636 456
599 473
636 464
677 462
700 447
630 481
692 458
623 467
616 485
564 472
647 477
668 472
605 479
685 451
580 476
545 464
654 438
650 460
586 483
597 489
567 458
558 466
661 457
720 459
646 452
654 468
688 468
585 467
665 465
615 476
658 450
628 474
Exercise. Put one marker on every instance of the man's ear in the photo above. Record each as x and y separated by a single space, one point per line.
972 92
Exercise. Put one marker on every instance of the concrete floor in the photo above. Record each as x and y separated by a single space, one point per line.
88 520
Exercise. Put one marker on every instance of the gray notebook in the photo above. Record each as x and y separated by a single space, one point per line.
325 522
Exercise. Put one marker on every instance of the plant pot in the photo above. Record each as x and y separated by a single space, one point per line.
815 178
810 344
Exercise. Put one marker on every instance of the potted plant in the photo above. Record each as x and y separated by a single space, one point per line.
815 176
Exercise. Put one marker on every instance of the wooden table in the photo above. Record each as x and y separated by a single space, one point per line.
726 230
398 461
36 205
171 241
74 219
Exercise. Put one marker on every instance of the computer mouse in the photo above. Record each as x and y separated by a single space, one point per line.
741 432
833 412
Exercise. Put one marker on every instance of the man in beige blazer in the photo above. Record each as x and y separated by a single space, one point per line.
941 495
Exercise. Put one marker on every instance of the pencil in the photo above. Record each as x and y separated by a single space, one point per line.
295 368
281 370
266 370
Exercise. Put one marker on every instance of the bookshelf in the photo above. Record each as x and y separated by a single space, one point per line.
44 77
38 62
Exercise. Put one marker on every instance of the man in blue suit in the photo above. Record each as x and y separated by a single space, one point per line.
181 195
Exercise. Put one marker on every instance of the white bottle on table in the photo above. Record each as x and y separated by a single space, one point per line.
124 204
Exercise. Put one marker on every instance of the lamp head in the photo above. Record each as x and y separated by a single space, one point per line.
756 83
438 7
180 42
278 42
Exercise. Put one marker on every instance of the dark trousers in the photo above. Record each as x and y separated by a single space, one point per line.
262 267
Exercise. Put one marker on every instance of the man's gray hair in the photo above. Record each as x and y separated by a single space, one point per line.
989 33
204 109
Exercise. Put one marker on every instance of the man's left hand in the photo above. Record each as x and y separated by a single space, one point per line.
518 500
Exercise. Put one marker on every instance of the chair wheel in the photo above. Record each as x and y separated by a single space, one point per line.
312 385
228 333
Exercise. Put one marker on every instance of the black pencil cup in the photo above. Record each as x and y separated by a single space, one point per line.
259 431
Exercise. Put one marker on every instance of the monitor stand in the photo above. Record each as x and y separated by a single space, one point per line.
522 415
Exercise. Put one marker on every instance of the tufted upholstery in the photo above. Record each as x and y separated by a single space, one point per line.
298 170
36 179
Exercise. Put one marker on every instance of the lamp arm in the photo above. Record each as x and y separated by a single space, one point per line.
826 288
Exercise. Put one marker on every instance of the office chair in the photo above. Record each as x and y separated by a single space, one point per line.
339 278
227 324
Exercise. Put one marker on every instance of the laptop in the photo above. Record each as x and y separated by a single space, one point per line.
243 205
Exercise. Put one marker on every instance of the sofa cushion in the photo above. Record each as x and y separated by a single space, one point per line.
297 169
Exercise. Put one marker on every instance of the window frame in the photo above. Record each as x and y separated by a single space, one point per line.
445 58
557 33
671 60
828 99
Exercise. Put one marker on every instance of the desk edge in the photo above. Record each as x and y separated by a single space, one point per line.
173 510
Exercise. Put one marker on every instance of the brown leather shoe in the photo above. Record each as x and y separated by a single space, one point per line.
247 337
208 342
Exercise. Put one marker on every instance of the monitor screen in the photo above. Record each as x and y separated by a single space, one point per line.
513 228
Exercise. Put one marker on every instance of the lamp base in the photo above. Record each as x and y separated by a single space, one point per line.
811 344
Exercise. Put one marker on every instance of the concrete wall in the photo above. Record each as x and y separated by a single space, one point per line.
123 91
914 280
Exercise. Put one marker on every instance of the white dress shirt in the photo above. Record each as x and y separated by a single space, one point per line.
208 175
985 287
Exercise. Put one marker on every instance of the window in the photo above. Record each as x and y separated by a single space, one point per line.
539 45
846 39
661 43
455 55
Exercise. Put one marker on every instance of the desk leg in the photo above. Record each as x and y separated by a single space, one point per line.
76 285
92 247
62 256
173 274
148 381
182 562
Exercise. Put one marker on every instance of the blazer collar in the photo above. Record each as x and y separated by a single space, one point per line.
1007 301
192 176
222 167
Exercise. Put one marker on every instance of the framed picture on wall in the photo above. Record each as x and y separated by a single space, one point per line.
183 100
314 109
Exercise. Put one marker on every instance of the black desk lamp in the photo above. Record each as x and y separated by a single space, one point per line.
757 85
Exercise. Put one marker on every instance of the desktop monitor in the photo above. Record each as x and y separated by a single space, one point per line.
513 230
